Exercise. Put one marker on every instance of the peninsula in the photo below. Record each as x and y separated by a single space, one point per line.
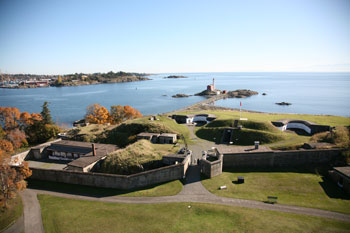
34 81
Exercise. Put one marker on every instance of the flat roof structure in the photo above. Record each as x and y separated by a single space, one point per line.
343 170
242 149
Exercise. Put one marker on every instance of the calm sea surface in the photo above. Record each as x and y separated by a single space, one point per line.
310 93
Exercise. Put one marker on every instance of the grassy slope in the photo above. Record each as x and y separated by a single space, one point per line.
9 216
68 215
166 189
300 189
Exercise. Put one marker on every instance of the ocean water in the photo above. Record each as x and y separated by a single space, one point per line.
309 93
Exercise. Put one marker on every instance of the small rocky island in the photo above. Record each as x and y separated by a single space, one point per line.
241 93
180 96
284 103
175 76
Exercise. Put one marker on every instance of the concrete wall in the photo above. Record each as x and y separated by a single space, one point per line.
102 180
155 176
211 169
280 158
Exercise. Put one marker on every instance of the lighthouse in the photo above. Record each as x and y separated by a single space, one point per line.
211 87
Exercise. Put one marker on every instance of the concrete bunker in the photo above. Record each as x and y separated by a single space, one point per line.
308 127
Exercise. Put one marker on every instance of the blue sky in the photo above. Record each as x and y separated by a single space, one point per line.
58 37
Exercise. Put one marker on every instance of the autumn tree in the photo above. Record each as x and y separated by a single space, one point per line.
11 179
39 132
121 113
9 118
45 113
59 81
131 113
6 146
97 114
117 114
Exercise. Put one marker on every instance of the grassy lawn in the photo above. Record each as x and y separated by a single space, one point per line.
10 215
300 188
68 215
166 189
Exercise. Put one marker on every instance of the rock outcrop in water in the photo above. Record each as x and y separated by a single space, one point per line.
180 96
284 103
176 76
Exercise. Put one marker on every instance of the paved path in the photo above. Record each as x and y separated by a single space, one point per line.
32 212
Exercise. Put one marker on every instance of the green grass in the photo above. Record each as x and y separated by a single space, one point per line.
10 215
319 119
165 189
69 215
298 187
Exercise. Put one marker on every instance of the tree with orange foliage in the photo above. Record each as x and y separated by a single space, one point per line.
9 118
17 138
117 114
121 113
97 114
11 179
131 113
6 146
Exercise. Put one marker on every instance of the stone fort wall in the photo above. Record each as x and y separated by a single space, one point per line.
124 182
291 158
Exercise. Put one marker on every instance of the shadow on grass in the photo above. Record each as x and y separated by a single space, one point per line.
81 189
328 186
332 190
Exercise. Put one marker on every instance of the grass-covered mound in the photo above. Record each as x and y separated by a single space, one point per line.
125 133
340 137
257 125
137 157
252 131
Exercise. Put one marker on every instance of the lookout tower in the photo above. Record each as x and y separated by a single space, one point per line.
211 87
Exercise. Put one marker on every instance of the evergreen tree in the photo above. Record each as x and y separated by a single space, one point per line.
45 113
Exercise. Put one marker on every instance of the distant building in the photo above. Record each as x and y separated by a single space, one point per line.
211 87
